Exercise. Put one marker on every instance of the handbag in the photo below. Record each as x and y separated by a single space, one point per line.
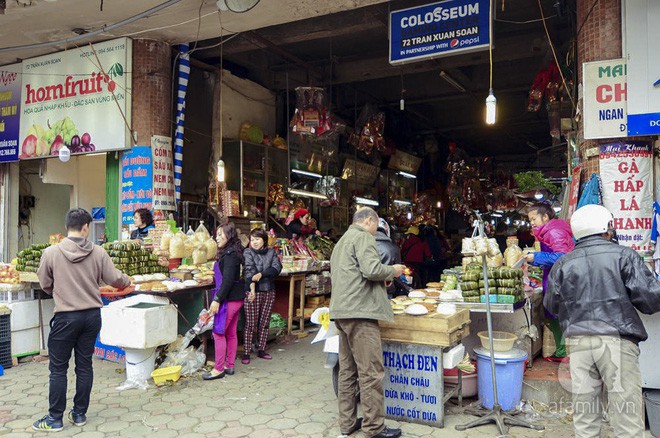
220 319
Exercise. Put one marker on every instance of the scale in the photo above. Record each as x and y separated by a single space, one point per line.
496 415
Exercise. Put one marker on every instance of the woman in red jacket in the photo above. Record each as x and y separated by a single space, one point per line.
414 252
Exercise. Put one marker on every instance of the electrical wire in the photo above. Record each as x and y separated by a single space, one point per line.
94 33
552 47
490 47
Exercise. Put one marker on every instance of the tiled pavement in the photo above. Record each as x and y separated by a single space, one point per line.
289 396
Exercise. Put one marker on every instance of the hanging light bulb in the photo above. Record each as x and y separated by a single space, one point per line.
402 104
491 108
64 154
538 195
221 170
409 216
439 204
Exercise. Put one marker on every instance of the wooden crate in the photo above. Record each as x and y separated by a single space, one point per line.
430 329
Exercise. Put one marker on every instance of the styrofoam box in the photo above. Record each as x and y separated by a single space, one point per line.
24 315
25 342
131 327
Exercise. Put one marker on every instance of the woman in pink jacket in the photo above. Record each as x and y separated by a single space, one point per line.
556 240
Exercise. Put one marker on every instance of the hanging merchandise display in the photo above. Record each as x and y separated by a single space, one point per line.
370 130
312 116
329 186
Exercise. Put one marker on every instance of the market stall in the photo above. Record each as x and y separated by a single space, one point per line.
417 347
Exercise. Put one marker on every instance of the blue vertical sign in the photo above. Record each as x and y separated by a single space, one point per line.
439 29
10 112
136 182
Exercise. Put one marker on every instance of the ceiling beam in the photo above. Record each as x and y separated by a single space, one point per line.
509 49
311 30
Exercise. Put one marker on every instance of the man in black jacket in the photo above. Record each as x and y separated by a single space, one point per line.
596 290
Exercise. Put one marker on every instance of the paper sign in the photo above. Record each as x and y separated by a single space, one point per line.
164 194
136 182
626 171
605 99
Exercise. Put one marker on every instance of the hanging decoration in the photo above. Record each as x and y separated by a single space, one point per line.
370 130
331 187
312 116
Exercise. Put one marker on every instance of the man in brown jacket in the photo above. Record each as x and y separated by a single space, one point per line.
72 272
359 301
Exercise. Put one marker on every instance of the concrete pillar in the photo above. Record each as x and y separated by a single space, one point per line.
599 38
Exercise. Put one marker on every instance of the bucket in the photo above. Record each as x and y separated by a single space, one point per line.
652 402
509 370
140 363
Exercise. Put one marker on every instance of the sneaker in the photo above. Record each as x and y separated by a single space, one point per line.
48 424
263 355
77 419
245 360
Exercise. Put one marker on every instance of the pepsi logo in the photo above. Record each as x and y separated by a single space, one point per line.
453 43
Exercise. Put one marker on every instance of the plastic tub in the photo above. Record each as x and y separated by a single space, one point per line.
468 380
509 371
502 341
163 375
652 402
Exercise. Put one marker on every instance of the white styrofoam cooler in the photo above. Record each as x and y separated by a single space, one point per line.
132 323
25 342
24 315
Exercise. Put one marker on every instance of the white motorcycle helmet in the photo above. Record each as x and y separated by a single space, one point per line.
382 223
589 220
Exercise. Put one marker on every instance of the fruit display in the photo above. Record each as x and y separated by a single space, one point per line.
28 260
9 275
130 258
41 142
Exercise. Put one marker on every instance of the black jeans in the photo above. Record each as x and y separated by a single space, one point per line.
72 331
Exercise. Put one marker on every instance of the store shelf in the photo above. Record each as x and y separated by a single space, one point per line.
481 307
250 193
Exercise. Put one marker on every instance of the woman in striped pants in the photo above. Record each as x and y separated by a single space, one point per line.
262 266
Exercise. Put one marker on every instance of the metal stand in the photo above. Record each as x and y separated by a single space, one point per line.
496 415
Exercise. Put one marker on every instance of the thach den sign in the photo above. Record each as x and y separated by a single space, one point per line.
439 29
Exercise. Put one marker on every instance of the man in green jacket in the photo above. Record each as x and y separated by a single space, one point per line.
359 300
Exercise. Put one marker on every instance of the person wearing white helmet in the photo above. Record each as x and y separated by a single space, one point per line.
596 291
389 252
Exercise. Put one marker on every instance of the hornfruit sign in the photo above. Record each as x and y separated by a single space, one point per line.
78 98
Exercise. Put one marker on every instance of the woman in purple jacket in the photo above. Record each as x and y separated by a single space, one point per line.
556 240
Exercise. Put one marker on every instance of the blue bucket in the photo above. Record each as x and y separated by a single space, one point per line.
509 370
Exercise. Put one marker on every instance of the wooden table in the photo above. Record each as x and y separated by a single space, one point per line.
296 281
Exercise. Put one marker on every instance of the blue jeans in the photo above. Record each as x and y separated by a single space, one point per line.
77 332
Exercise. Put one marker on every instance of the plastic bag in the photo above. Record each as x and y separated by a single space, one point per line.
201 233
211 249
191 360
177 246
513 253
165 240
188 246
480 246
199 255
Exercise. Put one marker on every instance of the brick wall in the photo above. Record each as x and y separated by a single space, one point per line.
599 38
152 89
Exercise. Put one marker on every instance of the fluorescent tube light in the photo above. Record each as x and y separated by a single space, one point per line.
407 175
307 194
306 173
444 75
400 202
366 201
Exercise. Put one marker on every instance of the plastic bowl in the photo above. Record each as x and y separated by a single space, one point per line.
163 375
502 341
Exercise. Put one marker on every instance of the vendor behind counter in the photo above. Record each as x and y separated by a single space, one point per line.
144 221
299 226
